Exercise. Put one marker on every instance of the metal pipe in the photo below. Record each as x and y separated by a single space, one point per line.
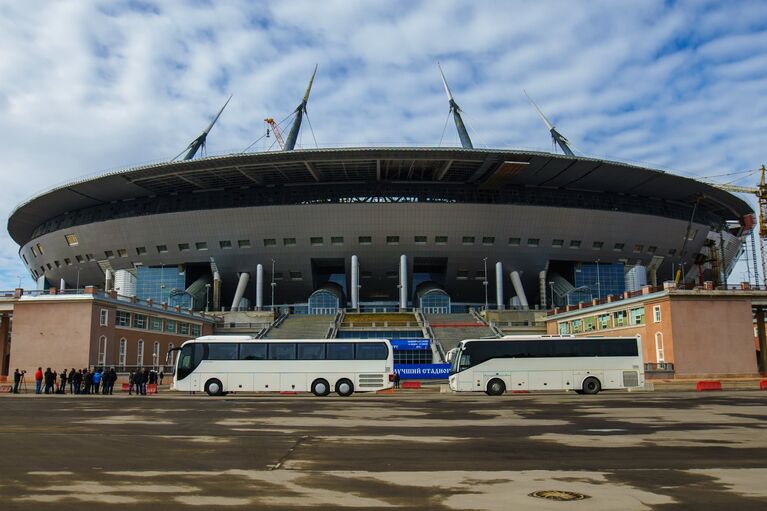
517 283
403 282
242 285
259 287
355 283
499 285
108 280
62 284
216 291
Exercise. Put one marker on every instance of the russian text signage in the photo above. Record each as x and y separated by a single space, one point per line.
422 371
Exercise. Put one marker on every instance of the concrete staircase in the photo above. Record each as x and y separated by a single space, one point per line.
300 326
450 329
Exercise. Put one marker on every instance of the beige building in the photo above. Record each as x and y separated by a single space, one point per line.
94 329
685 333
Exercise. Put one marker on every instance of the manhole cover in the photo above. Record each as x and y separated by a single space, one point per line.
558 495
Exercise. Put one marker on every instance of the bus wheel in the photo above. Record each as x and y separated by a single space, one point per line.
344 387
214 387
320 387
591 386
495 387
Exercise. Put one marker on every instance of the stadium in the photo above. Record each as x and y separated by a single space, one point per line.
366 228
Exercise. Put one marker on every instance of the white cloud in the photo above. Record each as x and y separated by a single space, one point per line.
90 86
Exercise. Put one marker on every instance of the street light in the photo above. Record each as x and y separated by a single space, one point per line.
207 292
484 282
551 287
599 288
273 285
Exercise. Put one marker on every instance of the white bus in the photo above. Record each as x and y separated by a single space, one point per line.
524 363
221 364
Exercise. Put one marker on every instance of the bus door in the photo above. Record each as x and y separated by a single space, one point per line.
465 373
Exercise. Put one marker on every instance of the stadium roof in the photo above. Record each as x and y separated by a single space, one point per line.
483 168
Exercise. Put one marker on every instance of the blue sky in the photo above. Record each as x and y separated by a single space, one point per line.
91 86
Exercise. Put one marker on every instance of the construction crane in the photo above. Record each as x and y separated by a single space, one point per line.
761 195
276 130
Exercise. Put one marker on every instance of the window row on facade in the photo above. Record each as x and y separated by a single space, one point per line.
158 358
632 316
153 323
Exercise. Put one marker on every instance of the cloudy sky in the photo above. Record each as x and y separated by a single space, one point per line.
89 86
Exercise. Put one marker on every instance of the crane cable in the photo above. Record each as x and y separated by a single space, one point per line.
264 135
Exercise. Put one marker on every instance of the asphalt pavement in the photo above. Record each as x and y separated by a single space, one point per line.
410 450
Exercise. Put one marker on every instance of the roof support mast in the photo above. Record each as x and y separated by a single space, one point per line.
456 111
290 143
556 136
199 142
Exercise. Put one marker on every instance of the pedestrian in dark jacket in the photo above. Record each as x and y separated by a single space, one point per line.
71 380
63 384
16 381
88 381
112 380
48 378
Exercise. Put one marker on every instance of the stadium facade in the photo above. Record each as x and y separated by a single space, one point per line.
429 227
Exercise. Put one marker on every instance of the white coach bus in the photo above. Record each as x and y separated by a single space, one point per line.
524 363
221 364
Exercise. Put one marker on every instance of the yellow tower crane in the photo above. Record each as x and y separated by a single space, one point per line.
761 195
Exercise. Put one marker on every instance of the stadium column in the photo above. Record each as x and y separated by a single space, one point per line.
403 282
517 283
242 285
62 284
259 287
499 285
355 283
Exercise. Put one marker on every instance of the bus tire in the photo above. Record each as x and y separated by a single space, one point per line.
591 386
320 387
495 387
344 387
214 387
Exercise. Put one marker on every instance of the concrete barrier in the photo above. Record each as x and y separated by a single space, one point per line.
703 386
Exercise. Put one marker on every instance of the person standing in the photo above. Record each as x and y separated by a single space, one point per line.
112 380
88 381
38 380
16 381
162 375
48 377
71 381
63 386
78 380
96 381
131 382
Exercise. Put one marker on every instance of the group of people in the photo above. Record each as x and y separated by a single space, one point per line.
85 381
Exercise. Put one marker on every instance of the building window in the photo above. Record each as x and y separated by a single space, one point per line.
109 254
467 240
533 242
278 275
296 275
183 328
72 240
201 245
156 354
316 241
597 245
40 249
577 326
392 240
102 355
619 247
140 250
420 240
366 274
337 240
34 252
638 248
619 318
243 243
24 258
89 257
659 352
49 266
140 353
391 274
515 242
155 324
79 259
488 240
652 250
288 242
170 347
195 330
270 242
58 264
672 251
557 243
440 240
170 326
161 249
564 328
637 316
104 317
575 243
589 324
183 247
140 321
122 318
603 321
656 313
67 261
122 252
365 240
122 353
462 274
225 244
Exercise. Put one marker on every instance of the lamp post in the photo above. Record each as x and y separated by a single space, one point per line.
484 282
273 285
77 286
207 293
551 287
599 288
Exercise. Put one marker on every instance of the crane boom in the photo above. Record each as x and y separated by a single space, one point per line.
277 132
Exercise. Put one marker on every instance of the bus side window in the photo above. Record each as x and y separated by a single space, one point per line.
252 351
465 361
311 351
282 351
340 351
372 351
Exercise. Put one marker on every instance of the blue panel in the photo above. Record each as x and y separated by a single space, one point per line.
423 371
164 284
410 344
602 279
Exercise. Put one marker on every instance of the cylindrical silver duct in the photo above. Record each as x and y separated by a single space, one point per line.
41 282
62 285
355 283
403 282
517 283
259 287
216 291
242 284
499 285
108 280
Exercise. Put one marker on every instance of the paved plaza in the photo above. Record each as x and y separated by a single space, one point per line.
410 450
